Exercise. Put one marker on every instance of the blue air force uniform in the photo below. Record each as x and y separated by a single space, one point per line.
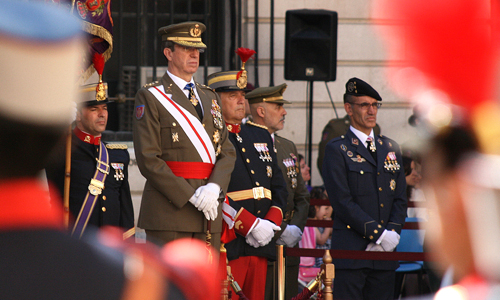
366 197
256 167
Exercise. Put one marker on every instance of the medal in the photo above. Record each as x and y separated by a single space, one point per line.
118 167
269 171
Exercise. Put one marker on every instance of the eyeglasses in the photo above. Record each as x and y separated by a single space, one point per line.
191 49
365 105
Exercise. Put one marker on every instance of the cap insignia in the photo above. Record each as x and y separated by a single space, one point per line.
352 87
195 31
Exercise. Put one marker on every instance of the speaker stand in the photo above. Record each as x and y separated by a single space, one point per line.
309 131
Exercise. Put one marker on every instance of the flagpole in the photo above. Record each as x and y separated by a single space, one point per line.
67 179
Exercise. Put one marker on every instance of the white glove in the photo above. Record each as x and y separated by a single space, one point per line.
374 247
252 241
390 239
290 236
263 232
205 199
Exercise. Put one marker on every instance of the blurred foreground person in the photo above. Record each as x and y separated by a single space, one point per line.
39 260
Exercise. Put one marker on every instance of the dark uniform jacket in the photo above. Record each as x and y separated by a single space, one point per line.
366 198
114 205
165 197
250 170
335 128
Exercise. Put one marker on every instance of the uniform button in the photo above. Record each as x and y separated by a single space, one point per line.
348 227
103 197
375 231
382 205
257 183
252 171
361 172
380 188
379 226
378 173
248 160
203 125
393 230
382 221
173 124
243 150
104 209
258 212
371 237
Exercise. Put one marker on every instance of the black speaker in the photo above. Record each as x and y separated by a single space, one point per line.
311 45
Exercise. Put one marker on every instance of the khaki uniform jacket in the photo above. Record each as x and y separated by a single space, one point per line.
297 206
165 200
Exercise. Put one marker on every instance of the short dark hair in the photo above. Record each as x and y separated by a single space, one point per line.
348 98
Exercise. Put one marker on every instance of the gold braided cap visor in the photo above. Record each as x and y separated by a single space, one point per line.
186 41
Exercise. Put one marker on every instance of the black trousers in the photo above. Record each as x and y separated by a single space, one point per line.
363 284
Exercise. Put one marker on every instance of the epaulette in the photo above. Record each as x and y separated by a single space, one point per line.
338 138
256 125
150 84
205 87
117 146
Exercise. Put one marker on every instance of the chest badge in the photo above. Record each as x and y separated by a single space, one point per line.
358 158
175 137
118 167
349 153
393 184
269 171
355 141
343 147
216 136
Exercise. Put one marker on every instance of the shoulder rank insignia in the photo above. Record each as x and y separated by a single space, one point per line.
118 167
151 84
380 142
116 146
257 125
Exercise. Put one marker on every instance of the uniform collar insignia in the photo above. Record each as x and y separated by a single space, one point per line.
234 128
87 138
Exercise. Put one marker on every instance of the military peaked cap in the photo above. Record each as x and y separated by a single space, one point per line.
187 34
272 94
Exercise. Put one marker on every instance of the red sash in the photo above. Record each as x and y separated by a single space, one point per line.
191 170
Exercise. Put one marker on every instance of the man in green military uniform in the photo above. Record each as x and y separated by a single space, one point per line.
181 145
266 105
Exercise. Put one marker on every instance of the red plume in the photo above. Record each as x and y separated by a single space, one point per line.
245 53
98 60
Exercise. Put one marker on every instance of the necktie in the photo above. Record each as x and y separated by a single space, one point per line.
194 101
370 145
